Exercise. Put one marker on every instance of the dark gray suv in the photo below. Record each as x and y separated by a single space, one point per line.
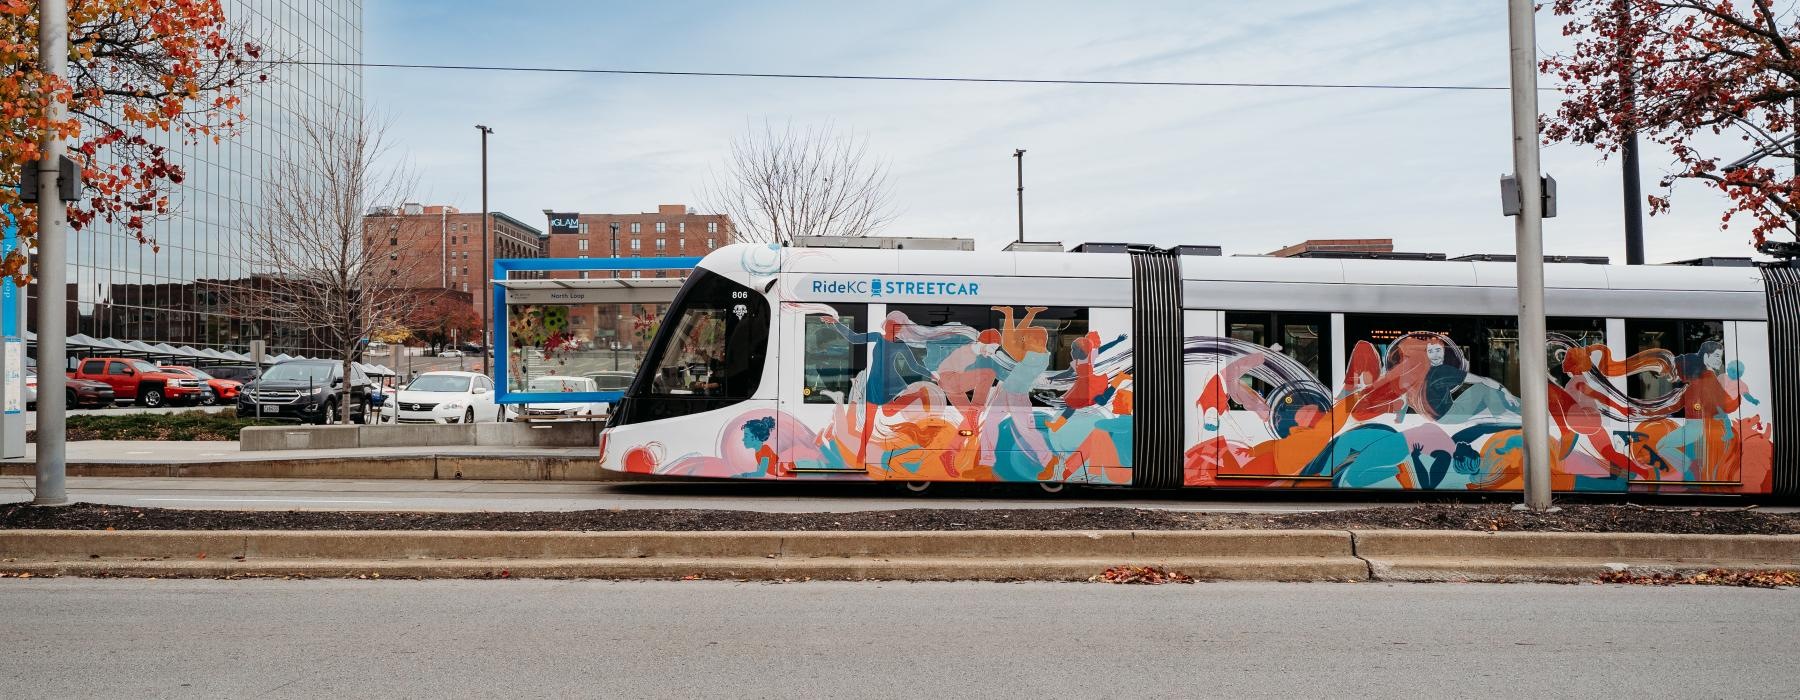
310 391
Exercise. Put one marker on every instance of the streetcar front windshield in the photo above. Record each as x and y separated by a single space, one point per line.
713 342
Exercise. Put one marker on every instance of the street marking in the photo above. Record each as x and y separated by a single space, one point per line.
259 500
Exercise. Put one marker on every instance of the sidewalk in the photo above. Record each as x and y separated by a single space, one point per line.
216 451
223 459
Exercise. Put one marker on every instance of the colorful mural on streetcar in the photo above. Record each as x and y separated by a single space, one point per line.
959 403
969 391
949 402
1414 417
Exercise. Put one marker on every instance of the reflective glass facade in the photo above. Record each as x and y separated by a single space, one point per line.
180 293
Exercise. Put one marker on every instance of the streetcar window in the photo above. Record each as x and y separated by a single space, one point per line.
1500 349
938 329
1696 346
1301 336
832 360
711 346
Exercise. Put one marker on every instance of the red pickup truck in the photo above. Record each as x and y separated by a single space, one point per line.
140 381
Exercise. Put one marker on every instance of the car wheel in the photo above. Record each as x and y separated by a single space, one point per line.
210 400
469 416
72 401
152 398
331 414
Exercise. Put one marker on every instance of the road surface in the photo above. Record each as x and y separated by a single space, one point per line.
448 495
125 638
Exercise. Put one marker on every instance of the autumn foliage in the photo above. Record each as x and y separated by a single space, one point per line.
443 317
1688 75
144 75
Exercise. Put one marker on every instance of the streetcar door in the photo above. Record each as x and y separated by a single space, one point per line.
819 391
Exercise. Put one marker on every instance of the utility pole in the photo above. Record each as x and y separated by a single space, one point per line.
1534 373
52 301
487 266
1019 155
1628 150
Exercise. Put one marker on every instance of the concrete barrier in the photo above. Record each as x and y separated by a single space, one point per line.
537 434
300 437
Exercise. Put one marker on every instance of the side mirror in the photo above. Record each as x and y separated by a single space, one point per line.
480 390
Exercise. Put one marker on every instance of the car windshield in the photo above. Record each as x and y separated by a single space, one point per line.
143 366
198 374
562 384
612 382
296 371
440 382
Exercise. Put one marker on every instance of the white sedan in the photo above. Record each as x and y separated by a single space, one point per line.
447 397
539 410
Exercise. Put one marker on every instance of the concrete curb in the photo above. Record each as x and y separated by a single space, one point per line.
1281 555
1073 555
1425 555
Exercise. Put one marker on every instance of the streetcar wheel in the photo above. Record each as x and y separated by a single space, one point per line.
1052 486
918 486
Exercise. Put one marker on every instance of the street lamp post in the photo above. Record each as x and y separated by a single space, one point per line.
1019 155
1534 372
487 266
52 301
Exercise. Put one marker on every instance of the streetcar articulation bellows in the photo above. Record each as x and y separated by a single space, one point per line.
1156 337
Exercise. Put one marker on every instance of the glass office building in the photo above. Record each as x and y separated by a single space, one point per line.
182 291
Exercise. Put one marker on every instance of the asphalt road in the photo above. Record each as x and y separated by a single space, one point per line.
84 638
448 495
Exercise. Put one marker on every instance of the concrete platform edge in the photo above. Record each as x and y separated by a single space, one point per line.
1278 555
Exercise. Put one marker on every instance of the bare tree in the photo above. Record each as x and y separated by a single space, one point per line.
322 269
787 182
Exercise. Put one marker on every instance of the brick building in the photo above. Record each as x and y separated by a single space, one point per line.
673 230
440 247
1336 245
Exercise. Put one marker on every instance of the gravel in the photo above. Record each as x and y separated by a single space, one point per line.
1481 517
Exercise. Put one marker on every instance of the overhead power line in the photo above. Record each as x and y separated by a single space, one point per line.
902 78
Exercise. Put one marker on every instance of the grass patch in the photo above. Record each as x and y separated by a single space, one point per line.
183 426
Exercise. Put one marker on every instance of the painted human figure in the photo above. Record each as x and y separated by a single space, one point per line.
1027 346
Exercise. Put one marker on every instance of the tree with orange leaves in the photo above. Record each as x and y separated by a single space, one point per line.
1681 73
144 75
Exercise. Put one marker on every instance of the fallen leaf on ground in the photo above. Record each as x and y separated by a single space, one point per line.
1751 578
1146 575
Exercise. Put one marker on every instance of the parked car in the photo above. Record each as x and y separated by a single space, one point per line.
236 373
140 381
581 410
612 380
312 391
81 393
452 352
223 390
447 397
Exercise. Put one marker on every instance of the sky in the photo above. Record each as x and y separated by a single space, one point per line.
1249 169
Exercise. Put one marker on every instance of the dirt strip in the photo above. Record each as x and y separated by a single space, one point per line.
1475 517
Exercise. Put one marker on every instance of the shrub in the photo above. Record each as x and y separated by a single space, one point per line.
181 426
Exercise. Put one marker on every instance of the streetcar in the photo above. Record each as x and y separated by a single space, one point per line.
1155 369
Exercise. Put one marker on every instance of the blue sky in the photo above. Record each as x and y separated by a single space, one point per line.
1249 169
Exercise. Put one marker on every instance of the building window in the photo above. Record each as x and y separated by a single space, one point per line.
636 244
582 227
662 227
710 244
465 238
583 257
636 227
661 245
581 245
712 227
465 286
393 241
637 274
681 244
681 227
